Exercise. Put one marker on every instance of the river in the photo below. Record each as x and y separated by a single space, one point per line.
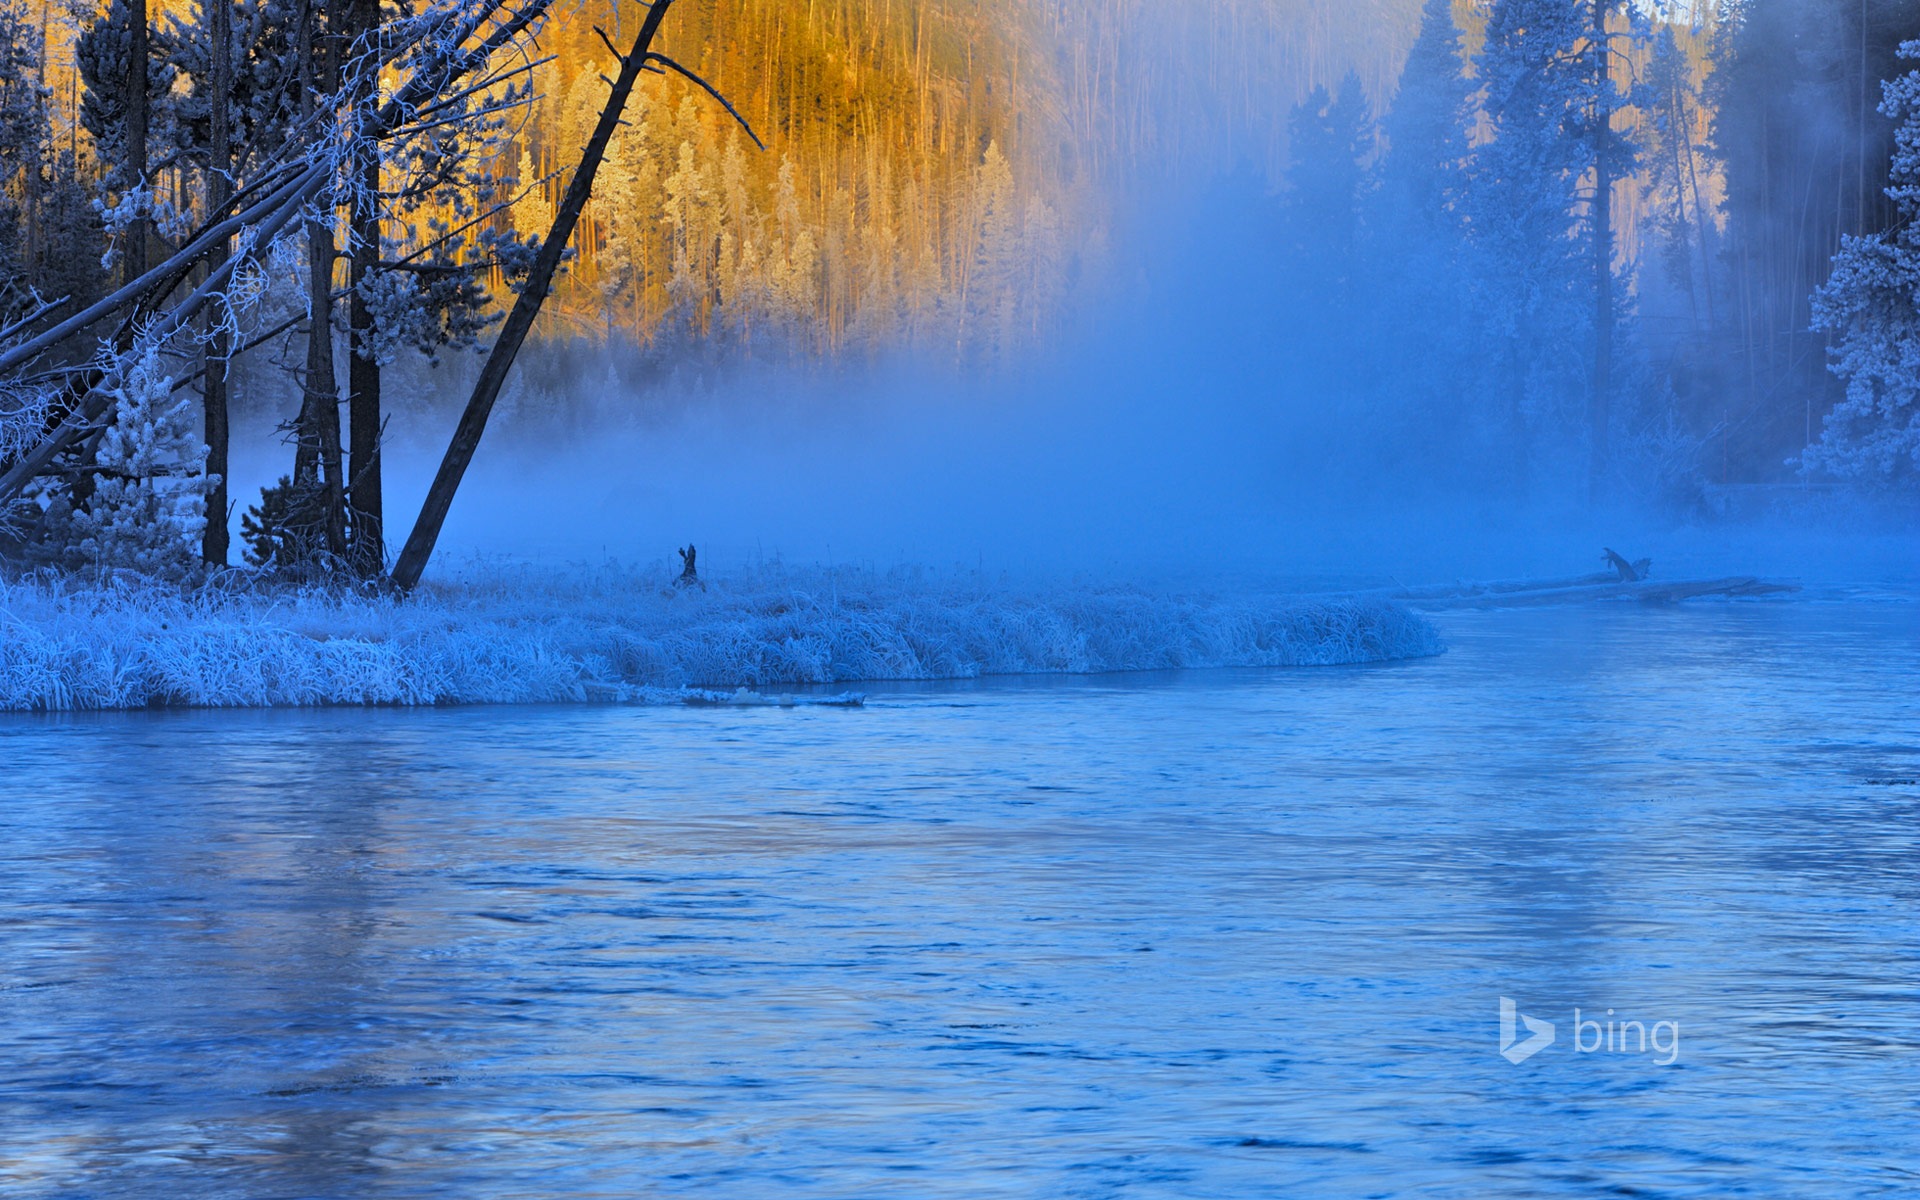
1224 933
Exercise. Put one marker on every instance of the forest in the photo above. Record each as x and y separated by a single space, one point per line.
1580 249
806 599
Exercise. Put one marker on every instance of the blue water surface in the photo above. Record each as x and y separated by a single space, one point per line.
1216 934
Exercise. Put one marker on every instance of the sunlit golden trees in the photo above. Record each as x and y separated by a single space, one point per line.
862 228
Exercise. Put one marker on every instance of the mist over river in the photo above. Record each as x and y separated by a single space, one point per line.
1200 934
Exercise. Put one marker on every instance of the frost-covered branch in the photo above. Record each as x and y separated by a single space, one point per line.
435 52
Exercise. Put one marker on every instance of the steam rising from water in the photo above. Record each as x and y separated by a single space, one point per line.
1166 431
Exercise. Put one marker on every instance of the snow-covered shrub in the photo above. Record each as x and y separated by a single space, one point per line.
527 638
287 530
147 509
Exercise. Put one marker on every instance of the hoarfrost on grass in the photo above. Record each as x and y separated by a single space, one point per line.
512 637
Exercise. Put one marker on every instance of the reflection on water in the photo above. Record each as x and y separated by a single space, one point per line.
1224 934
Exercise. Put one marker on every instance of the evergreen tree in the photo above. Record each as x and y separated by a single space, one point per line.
262 102
50 234
990 287
68 235
420 241
132 125
23 146
1871 305
1423 170
1530 250
1417 303
236 57
148 507
1331 140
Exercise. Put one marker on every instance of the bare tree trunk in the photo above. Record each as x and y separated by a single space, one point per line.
1602 251
364 491
317 452
40 154
213 389
135 260
306 445
1860 134
473 421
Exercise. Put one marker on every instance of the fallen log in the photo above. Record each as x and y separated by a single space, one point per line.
742 698
602 692
1450 591
1605 587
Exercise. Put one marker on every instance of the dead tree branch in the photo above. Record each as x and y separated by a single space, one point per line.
664 61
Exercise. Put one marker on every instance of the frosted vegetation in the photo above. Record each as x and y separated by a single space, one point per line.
510 637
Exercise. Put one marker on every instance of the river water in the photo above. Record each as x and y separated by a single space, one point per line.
1212 934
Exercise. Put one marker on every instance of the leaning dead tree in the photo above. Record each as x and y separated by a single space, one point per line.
539 282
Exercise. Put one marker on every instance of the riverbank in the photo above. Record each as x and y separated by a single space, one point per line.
528 636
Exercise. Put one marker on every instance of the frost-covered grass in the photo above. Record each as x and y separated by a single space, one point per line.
504 636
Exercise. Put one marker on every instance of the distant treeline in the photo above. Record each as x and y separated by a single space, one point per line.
1590 232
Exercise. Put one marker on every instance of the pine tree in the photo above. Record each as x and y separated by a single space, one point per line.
261 101
623 232
1423 170
1803 154
128 106
239 105
147 510
1331 139
795 269
1529 250
23 148
50 234
994 274
1871 305
65 259
742 284
419 246
1417 305
684 218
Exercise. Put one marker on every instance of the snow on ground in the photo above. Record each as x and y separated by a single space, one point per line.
520 636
